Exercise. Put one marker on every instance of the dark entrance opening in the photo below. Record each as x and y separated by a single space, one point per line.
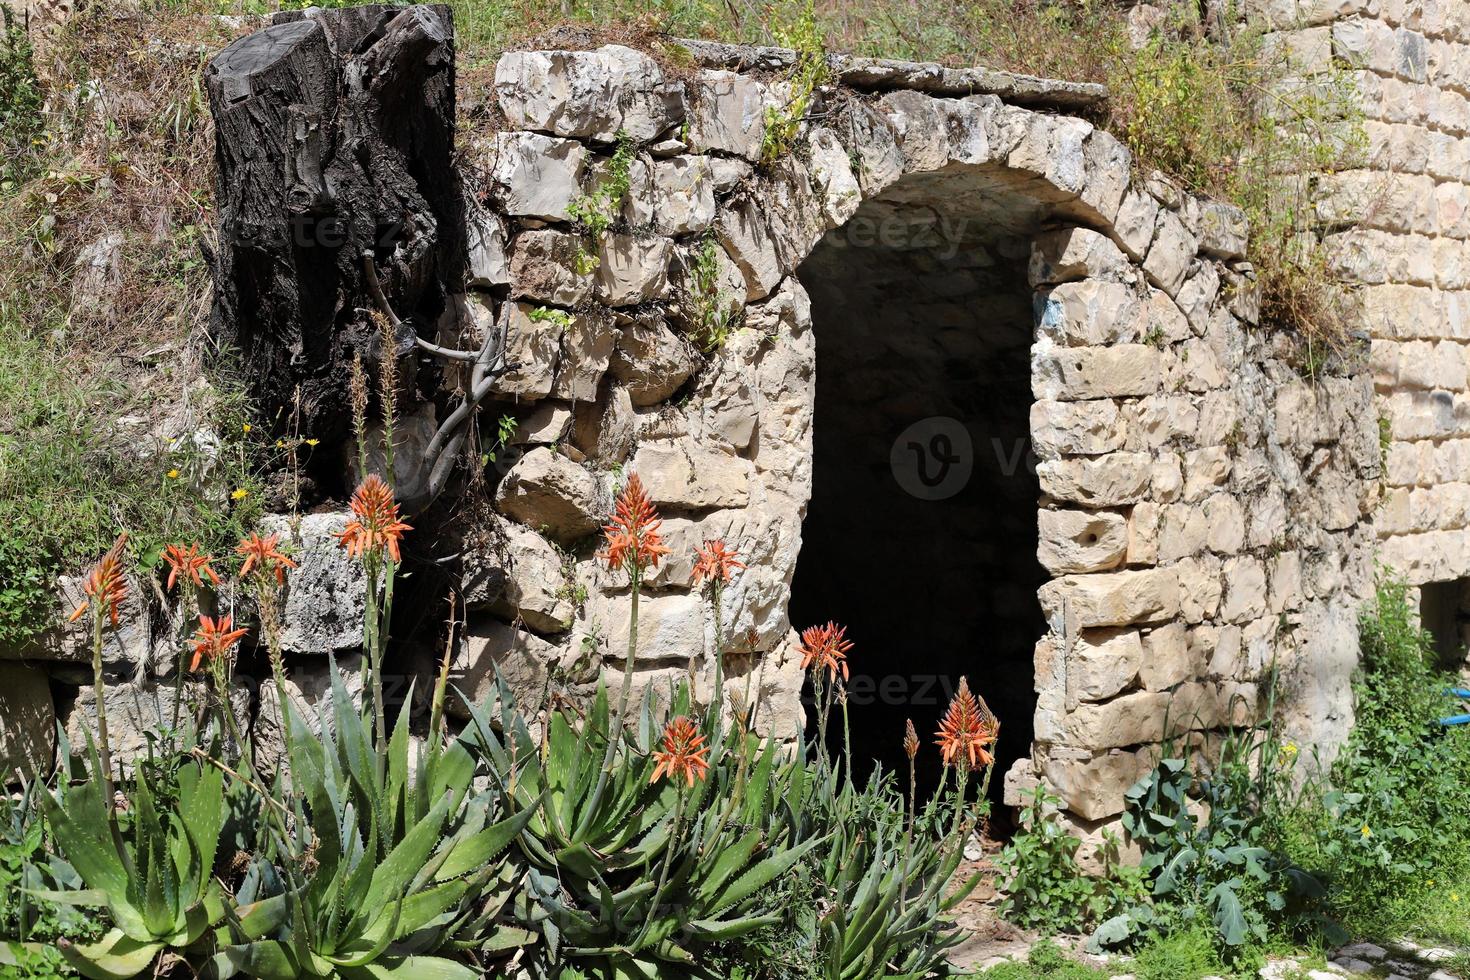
1444 610
921 533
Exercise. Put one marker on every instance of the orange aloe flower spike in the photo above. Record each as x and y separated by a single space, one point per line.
188 562
214 639
715 562
633 539
967 731
825 647
682 754
263 552
375 524
106 584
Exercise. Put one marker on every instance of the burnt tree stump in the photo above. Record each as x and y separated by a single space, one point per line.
334 137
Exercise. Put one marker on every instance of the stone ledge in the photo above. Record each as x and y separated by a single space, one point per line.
883 74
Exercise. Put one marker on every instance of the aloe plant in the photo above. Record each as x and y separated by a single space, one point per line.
155 878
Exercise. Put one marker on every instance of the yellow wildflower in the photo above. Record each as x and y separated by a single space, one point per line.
240 494
1366 832
173 474
245 427
312 442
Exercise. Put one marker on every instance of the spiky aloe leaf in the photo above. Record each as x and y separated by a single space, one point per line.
479 849
113 957
411 968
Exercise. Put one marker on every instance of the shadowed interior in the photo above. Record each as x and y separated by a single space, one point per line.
923 320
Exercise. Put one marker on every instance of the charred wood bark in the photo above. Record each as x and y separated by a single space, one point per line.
334 140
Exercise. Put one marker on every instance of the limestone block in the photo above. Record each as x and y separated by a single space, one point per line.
548 424
1225 518
684 195
745 232
1077 428
1166 658
689 476
1205 471
1108 165
588 94
1101 481
726 403
1160 420
1223 230
1080 540
879 160
1183 531
969 123
1171 253
545 268
485 246
326 593
1143 535
603 429
1113 598
633 269
831 169
1093 788
1197 296
1285 589
671 627
536 176
28 734
1245 590
129 647
518 574
587 344
1069 254
1103 662
524 660
919 128
547 491
1092 312
1054 149
135 713
1134 227
1078 373
729 114
651 361
533 336
1200 588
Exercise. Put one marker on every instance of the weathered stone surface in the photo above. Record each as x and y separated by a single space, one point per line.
671 628
1094 788
1100 481
1082 428
545 267
326 592
537 176
1093 312
831 169
28 731
1103 662
1070 254
1078 373
692 477
528 664
684 195
651 361
1166 659
588 94
549 492
587 342
745 233
485 246
1113 598
136 711
520 576
1080 540
547 425
729 114
604 430
533 337
633 269
1169 256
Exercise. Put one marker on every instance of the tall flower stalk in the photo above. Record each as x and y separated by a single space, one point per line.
714 567
966 737
187 570
373 537
214 647
684 760
824 656
105 588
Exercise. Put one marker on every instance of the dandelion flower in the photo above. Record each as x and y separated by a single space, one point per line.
264 553
682 754
106 584
240 494
715 562
173 474
312 442
633 540
214 639
188 562
1365 831
245 427
825 647
375 524
968 730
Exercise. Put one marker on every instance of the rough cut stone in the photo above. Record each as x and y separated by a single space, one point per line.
1170 254
519 575
1103 662
1080 540
523 660
549 492
537 176
533 336
1093 312
1113 598
651 361
729 114
586 350
684 198
549 267
588 94
326 593
692 477
309 687
1102 481
1079 373
1080 428
1069 254
136 711
633 269
604 429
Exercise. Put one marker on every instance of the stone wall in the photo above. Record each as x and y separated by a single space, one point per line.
1410 204
937 243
